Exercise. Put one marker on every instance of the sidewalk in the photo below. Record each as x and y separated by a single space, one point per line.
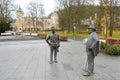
28 60
17 38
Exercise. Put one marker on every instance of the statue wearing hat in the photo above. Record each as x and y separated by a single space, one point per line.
92 49
54 43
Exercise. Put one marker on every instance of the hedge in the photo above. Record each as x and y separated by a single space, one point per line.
111 49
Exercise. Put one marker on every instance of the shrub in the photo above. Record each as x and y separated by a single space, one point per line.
113 50
4 26
103 45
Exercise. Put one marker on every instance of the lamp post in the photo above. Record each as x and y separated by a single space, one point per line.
0 9
44 25
28 26
74 28
0 6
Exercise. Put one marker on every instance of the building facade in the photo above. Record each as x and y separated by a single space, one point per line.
32 24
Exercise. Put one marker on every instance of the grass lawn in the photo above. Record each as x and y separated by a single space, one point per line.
66 34
116 34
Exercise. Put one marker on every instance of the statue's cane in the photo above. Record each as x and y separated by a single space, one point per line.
86 65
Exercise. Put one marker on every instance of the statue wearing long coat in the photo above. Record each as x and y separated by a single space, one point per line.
92 49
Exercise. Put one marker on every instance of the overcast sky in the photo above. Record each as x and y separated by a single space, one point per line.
49 5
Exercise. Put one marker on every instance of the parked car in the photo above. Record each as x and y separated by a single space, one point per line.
19 32
8 33
12 32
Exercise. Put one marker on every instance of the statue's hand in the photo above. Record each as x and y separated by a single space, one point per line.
49 44
90 49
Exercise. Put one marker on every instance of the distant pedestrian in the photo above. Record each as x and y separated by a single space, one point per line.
92 49
54 43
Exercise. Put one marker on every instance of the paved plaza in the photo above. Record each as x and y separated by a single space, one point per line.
28 60
18 38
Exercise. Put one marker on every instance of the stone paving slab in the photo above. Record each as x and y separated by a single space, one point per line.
28 60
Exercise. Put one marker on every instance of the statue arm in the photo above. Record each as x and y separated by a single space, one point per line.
59 40
47 39
95 38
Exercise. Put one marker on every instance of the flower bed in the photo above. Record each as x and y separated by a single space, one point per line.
113 41
43 36
63 38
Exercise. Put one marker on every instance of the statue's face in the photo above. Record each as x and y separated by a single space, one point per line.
53 30
90 31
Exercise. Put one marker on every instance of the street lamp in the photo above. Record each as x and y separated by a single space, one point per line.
44 25
74 28
29 26
0 8
0 4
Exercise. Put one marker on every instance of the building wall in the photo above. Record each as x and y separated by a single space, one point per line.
26 23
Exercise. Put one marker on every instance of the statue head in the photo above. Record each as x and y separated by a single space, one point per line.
52 29
91 29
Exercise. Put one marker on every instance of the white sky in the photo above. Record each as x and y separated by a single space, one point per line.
49 5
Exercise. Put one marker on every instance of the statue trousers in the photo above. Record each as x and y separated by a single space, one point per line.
90 57
53 51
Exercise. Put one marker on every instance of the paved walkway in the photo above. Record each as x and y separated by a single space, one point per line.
18 38
28 60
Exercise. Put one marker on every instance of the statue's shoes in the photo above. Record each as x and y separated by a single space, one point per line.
86 74
55 61
50 62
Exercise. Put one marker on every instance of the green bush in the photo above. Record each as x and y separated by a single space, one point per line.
113 50
4 26
103 45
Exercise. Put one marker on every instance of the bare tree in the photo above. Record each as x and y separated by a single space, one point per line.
36 11
6 7
113 9
105 6
110 8
72 11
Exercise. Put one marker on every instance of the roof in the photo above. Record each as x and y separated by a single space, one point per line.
19 10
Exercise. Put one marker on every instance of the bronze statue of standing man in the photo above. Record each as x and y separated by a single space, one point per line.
54 43
92 49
